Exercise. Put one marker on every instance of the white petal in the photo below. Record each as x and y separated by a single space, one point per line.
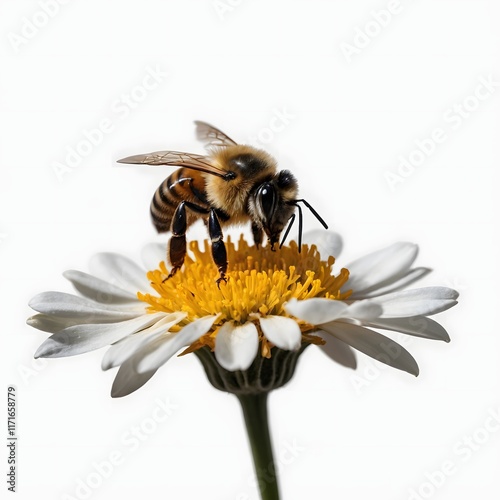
337 350
417 302
316 310
66 305
119 352
120 271
410 277
128 379
386 265
100 291
191 332
51 324
236 346
282 332
84 338
363 310
152 254
328 243
375 345
418 326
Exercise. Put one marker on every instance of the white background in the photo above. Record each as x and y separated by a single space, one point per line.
374 433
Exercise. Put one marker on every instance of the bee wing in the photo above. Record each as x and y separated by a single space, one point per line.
212 136
176 159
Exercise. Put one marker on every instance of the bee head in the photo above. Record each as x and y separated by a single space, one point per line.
271 204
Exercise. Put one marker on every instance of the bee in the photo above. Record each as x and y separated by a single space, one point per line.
232 184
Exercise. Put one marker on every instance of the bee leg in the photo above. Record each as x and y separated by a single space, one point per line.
219 253
257 235
177 244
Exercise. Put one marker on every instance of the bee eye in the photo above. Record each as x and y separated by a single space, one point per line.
267 199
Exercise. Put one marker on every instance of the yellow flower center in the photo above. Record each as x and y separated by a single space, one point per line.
259 283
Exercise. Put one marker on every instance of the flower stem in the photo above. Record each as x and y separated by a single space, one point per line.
254 408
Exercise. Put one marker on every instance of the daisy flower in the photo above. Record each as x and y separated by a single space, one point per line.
249 333
272 302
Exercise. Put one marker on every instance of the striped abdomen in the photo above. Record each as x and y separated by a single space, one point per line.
183 185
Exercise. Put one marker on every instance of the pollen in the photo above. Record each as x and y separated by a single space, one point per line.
259 283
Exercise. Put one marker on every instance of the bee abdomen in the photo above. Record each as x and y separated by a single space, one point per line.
167 197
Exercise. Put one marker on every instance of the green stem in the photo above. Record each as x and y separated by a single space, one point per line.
254 408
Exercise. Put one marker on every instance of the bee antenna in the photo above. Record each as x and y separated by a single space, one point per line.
290 224
308 205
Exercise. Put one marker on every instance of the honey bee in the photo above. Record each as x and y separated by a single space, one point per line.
232 184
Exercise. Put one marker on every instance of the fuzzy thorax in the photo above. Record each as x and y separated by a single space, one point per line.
252 166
